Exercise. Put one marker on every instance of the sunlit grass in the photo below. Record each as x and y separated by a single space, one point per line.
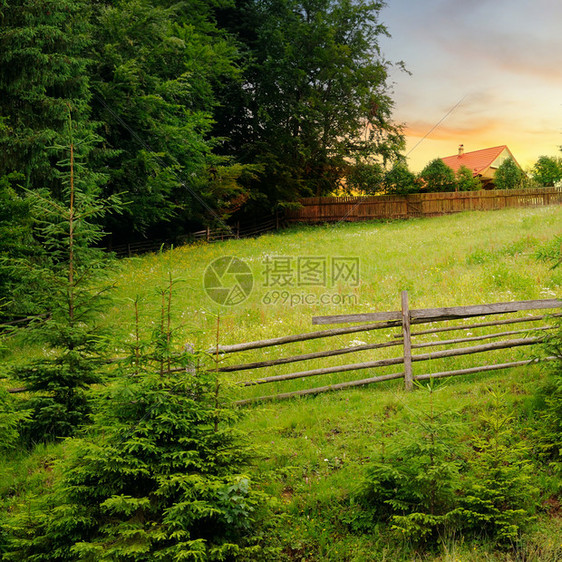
311 452
461 259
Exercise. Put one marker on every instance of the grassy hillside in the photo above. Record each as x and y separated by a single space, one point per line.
444 261
312 453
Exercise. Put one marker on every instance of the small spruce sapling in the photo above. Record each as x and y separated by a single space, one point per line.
412 486
69 277
499 498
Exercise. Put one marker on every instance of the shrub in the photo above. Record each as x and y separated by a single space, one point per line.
366 178
437 176
499 498
547 171
414 482
399 180
550 430
466 181
509 175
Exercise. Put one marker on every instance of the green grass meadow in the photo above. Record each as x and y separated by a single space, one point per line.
462 259
311 452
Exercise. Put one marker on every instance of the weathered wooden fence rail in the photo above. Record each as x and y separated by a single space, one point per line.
405 319
209 234
329 209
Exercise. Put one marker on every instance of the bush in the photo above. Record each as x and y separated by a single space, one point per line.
413 484
366 178
466 181
399 180
547 171
550 429
159 475
498 496
157 478
509 176
437 176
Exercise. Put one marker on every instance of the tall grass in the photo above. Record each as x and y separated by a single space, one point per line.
311 452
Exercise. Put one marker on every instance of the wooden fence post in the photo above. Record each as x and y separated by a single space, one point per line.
190 365
408 379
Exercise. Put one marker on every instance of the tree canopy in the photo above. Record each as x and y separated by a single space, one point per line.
202 108
547 170
314 95
437 176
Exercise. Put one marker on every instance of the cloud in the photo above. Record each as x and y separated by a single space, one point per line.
504 56
419 129
518 37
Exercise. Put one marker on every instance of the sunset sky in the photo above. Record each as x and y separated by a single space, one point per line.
499 60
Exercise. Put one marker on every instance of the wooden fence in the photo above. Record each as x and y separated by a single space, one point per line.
404 319
330 209
237 231
226 232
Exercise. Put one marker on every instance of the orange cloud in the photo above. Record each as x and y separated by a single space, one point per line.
419 129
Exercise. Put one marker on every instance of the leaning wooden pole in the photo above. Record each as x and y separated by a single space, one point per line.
408 378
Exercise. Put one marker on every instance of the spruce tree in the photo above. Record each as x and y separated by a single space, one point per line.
159 475
16 241
412 484
71 293
499 498
43 70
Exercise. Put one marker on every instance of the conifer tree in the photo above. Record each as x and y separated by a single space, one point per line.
413 483
156 66
43 69
549 433
158 476
499 498
70 292
16 241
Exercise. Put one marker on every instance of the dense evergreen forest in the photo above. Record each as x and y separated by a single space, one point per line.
192 111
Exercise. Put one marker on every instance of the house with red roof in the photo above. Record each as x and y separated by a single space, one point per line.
482 163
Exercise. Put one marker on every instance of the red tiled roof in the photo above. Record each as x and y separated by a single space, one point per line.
476 161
